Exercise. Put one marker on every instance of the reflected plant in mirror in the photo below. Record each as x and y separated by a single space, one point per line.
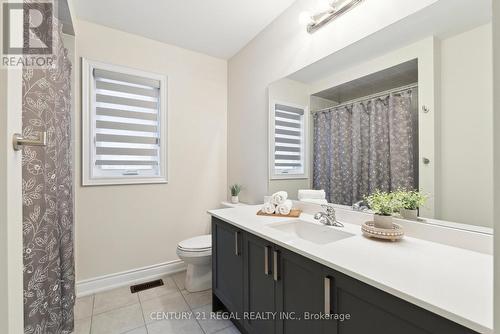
410 202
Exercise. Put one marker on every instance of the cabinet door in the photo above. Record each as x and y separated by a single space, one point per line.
258 284
299 291
227 265
374 311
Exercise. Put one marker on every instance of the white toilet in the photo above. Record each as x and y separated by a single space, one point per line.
197 254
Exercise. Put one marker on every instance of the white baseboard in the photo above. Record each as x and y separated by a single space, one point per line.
129 277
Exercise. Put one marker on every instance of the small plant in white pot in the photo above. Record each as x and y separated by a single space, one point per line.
235 191
383 204
410 202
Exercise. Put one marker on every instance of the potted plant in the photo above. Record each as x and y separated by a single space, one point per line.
235 191
410 201
383 204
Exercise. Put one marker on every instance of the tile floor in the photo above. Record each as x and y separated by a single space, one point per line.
120 311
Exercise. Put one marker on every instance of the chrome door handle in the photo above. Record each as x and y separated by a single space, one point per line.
266 261
236 244
18 140
327 284
275 264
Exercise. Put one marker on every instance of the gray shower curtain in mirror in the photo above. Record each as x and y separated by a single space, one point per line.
49 274
366 146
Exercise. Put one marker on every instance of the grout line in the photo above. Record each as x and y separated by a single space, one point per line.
142 313
190 308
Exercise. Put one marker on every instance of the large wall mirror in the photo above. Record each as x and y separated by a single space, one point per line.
414 115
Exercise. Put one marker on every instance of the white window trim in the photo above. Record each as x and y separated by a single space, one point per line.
272 144
88 104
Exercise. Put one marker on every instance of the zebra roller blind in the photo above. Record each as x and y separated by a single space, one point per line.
125 126
288 140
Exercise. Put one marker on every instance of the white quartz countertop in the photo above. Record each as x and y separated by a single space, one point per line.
452 282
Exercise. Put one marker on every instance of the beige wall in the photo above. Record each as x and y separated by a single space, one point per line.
466 132
279 50
119 228
496 145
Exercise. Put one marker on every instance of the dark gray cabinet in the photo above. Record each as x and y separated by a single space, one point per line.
252 276
299 293
227 265
259 283
374 311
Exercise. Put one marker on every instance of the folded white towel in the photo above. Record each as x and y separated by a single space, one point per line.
279 198
314 201
311 194
268 208
284 208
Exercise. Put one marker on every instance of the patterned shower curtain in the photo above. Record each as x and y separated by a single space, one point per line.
49 274
366 146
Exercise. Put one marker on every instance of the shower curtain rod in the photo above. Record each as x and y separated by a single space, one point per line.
364 98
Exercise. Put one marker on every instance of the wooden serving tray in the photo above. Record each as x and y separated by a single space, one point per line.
294 213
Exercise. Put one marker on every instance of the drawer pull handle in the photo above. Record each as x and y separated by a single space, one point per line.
266 261
275 264
236 243
328 308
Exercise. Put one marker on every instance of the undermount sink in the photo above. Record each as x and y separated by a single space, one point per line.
315 233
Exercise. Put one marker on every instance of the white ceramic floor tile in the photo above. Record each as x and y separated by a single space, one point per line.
198 299
175 327
118 321
209 320
179 279
168 287
82 326
83 307
229 330
113 299
172 302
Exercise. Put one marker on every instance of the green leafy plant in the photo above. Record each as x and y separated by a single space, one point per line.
235 189
383 203
410 200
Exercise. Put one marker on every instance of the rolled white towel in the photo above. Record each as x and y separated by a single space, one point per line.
311 194
284 208
279 198
268 208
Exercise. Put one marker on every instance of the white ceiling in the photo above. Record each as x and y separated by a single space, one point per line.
218 28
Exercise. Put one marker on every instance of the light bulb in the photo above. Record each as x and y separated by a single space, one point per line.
305 18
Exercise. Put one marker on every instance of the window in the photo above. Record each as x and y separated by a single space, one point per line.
124 125
288 129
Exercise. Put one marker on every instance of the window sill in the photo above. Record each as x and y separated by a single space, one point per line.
121 182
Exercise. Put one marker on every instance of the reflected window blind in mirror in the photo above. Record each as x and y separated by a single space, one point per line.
125 127
289 141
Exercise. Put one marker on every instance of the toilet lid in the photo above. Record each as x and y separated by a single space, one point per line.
197 244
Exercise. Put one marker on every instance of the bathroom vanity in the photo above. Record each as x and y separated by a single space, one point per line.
299 268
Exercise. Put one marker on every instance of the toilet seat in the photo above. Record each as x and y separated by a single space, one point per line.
201 244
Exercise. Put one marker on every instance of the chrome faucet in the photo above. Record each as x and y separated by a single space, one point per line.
360 206
328 218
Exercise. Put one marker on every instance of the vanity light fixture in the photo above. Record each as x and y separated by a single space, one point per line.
334 9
